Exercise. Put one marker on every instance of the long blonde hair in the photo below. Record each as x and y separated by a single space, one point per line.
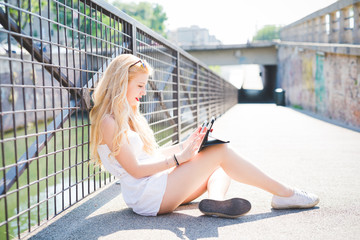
110 99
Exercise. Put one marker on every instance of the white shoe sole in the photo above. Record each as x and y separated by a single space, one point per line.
295 206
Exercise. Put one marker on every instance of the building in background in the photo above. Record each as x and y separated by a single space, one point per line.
242 76
192 36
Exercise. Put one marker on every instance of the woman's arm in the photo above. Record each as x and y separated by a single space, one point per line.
173 149
127 158
177 148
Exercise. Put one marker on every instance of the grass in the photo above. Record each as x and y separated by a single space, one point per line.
297 106
60 166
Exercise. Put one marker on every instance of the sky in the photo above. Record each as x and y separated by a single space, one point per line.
235 21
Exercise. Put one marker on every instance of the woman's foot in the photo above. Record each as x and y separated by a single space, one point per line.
300 199
231 208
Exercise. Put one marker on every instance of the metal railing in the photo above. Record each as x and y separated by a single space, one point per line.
337 23
51 56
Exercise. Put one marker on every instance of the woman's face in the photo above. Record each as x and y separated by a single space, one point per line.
137 89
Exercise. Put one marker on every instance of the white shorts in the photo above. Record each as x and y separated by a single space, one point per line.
144 195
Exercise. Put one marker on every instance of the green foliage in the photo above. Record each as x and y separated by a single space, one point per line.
73 14
20 17
268 32
216 69
297 106
149 14
66 16
83 19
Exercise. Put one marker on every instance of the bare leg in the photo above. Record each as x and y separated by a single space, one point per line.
218 185
187 179
200 191
251 175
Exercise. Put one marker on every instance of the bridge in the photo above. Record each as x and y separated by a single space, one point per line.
51 59
262 53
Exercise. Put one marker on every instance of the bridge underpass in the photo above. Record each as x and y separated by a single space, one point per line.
263 54
319 69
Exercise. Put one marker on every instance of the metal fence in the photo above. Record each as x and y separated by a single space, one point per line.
52 54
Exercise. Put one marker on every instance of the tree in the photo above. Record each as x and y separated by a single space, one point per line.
21 18
216 69
149 14
268 32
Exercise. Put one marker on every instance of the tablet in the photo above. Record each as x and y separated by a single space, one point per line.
209 127
205 123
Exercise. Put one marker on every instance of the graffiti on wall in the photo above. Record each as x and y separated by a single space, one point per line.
308 86
320 87
325 83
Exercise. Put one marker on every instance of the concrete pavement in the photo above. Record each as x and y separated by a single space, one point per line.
293 147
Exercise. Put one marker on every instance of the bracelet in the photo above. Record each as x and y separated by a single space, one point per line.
177 163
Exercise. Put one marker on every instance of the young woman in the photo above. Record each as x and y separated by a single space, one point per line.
157 180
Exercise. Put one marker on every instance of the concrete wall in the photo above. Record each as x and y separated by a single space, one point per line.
336 23
262 53
325 83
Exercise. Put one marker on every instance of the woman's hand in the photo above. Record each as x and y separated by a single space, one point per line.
191 146
192 137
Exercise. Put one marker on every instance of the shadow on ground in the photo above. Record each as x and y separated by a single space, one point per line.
82 223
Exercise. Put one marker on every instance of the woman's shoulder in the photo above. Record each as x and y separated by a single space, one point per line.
108 119
108 123
107 128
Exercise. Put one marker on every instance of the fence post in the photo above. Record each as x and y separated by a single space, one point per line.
356 39
333 27
209 92
178 95
341 33
323 36
133 40
197 95
222 95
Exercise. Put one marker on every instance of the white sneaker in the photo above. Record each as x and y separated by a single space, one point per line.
300 199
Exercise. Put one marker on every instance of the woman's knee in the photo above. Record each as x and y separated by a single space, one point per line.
217 152
218 148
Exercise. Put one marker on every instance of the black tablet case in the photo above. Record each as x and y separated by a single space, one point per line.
208 142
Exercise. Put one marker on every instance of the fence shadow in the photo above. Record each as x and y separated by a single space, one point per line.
84 223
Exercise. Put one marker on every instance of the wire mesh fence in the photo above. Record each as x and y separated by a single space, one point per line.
52 54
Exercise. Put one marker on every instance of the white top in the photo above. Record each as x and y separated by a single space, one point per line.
143 195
